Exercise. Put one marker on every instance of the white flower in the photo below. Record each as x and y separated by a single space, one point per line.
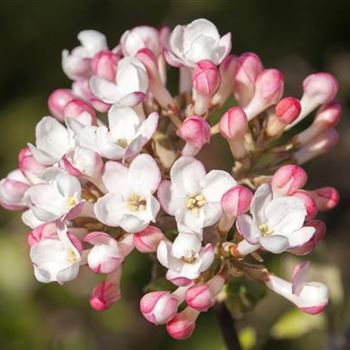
128 132
199 40
53 141
185 259
139 38
130 203
59 197
56 260
309 297
130 86
276 224
193 196
76 64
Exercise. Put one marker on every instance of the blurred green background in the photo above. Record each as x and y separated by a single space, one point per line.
299 37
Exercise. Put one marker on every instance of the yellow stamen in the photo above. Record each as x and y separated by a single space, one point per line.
194 203
122 143
71 202
71 256
137 203
190 259
265 230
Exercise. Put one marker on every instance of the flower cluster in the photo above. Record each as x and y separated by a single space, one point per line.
114 168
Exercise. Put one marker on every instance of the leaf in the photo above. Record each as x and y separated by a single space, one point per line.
294 323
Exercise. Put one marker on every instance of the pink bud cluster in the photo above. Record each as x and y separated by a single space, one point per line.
113 169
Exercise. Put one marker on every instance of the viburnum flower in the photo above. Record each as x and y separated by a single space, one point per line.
57 259
199 40
192 195
130 203
276 224
58 197
309 297
113 171
76 64
185 258
128 132
129 87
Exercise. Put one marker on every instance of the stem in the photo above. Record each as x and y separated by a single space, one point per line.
227 327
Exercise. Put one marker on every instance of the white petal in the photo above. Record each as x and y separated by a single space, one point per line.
185 244
169 199
207 256
215 184
275 243
115 177
105 90
110 209
186 175
212 213
144 175
300 275
300 237
106 146
248 229
68 186
285 214
93 41
262 196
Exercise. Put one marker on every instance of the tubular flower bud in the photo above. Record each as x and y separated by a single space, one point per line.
310 297
76 107
29 166
310 204
201 297
58 100
326 198
319 88
288 179
196 132
183 324
309 246
104 65
317 146
156 85
269 87
107 292
325 119
235 202
286 111
147 240
205 81
159 307
227 71
249 67
233 127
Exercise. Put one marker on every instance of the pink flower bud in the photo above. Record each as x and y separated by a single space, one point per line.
234 202
227 71
326 198
183 324
288 109
159 307
310 204
205 78
309 246
76 107
233 126
196 132
12 191
46 231
104 65
288 179
317 146
319 88
156 85
326 118
104 295
28 164
249 66
58 100
201 297
269 87
147 240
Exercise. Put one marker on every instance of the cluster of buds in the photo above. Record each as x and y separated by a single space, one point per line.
114 168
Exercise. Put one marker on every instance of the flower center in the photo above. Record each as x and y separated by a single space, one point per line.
191 258
71 202
122 143
71 256
194 203
137 203
265 230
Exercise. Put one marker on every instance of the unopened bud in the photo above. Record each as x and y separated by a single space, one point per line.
326 198
58 100
104 65
183 324
147 240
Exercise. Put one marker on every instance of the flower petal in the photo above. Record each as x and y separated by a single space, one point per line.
248 229
215 184
275 244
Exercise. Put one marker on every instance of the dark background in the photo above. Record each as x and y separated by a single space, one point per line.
299 37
